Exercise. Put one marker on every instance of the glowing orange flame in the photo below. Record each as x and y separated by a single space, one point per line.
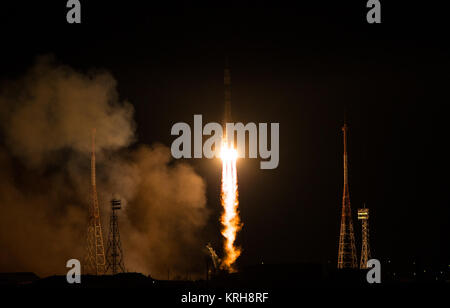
230 217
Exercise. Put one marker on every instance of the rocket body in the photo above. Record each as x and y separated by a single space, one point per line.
227 84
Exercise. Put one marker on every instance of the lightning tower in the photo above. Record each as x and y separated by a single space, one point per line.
347 248
95 252
114 253
363 215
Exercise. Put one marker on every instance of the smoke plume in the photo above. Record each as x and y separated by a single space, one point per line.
46 121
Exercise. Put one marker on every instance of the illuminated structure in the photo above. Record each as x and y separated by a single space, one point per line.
363 215
231 223
347 248
114 253
227 84
216 261
94 262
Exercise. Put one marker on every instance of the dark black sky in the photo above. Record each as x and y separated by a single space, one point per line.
300 66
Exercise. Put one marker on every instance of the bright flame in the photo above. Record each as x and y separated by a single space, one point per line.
230 217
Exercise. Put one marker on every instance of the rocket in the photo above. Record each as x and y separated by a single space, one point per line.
227 84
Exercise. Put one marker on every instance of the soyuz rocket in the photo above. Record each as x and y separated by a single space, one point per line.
227 84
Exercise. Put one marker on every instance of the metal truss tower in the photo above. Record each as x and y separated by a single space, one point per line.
114 253
94 262
363 215
215 260
347 248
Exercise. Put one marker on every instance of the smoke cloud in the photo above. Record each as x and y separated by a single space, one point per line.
46 121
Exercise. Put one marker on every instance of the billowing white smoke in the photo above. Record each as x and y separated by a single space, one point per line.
46 120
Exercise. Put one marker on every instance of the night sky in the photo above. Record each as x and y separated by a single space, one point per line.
303 66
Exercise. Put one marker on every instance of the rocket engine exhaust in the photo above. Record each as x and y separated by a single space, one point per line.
229 197
231 223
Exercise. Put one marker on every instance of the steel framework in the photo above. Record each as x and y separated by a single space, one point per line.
94 261
114 253
347 249
363 215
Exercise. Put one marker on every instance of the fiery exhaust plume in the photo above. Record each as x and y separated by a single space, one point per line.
230 217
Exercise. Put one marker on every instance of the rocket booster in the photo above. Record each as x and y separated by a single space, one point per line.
227 84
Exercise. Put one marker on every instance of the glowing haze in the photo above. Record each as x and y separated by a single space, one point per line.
46 117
